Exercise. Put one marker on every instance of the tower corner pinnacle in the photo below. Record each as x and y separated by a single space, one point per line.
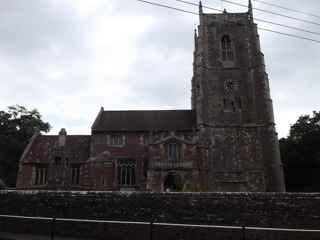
250 11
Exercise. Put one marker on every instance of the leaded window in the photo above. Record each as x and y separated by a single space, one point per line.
126 172
117 140
41 176
174 151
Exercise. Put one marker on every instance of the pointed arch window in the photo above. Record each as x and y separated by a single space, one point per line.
127 172
227 49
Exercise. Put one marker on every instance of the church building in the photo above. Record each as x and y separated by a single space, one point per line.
226 142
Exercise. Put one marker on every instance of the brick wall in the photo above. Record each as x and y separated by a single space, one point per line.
279 210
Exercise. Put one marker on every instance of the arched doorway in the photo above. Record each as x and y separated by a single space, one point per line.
172 182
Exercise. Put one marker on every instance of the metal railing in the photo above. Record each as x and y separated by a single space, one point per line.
242 230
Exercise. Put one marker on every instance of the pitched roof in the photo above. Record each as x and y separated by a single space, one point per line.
145 120
77 148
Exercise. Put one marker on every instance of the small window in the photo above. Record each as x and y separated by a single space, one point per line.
41 177
233 107
224 103
75 175
226 47
57 160
116 140
239 103
103 181
127 172
173 151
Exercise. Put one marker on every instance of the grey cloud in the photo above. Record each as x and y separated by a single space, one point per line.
29 26
41 38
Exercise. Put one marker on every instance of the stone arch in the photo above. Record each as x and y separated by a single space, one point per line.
172 182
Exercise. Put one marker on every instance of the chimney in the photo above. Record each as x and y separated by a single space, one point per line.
62 137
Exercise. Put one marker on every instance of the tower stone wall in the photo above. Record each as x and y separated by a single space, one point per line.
231 97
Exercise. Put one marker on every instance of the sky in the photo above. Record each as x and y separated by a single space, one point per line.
67 58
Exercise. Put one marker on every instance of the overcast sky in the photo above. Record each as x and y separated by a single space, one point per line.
67 58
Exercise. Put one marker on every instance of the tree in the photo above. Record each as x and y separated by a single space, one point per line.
300 154
17 125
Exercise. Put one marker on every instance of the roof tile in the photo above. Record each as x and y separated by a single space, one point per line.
146 120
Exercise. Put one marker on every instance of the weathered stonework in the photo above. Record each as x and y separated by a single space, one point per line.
226 142
231 97
268 210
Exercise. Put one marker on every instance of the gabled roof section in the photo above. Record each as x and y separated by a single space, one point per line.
98 118
43 148
145 120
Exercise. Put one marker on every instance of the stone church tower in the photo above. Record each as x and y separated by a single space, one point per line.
231 98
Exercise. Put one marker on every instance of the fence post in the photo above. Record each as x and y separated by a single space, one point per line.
243 233
151 230
53 221
2 225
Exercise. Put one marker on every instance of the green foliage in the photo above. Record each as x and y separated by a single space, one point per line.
17 125
305 126
300 154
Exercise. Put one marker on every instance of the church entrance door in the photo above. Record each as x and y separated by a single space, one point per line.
172 182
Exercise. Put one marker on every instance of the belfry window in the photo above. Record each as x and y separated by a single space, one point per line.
226 47
127 172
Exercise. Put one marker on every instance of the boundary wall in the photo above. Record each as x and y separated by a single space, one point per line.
258 212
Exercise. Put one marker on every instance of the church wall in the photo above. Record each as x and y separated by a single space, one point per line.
133 143
236 162
133 146
160 166
25 176
101 176
273 165
217 98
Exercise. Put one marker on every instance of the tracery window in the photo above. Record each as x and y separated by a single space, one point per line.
41 176
127 172
226 47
